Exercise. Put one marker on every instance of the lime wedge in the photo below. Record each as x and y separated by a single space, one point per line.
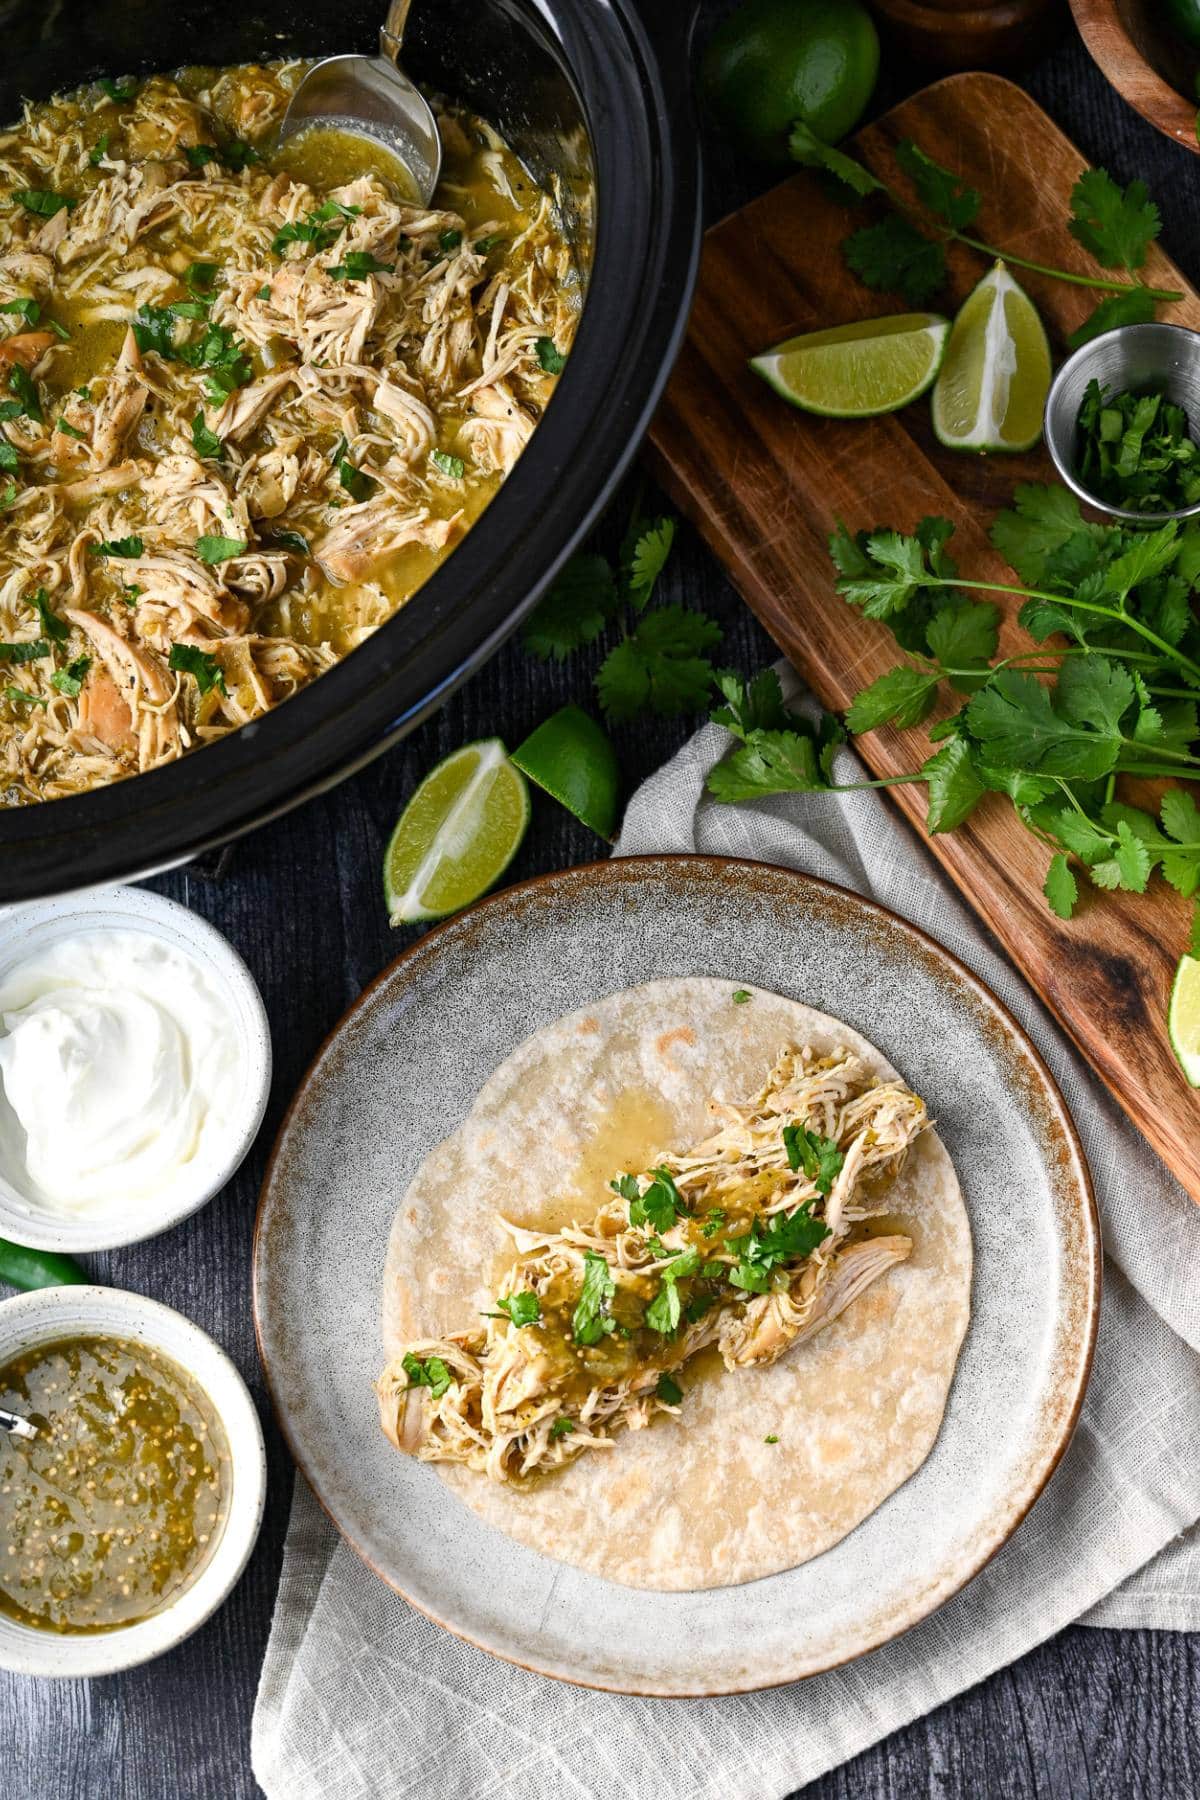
856 371
991 389
457 835
571 757
1183 1017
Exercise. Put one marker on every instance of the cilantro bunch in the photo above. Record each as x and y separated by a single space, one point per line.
896 255
660 661
1109 690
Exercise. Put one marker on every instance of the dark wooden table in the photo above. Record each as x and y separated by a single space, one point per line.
1092 1714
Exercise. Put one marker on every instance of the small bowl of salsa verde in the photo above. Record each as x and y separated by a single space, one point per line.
128 1517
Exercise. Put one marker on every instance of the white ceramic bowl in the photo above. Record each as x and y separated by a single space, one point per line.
26 928
52 1313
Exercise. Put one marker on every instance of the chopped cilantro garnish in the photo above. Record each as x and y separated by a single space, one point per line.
131 595
69 430
198 278
25 307
99 149
592 1318
358 264
626 1186
659 1205
22 384
483 245
308 231
357 484
42 201
22 697
128 547
523 1309
713 1221
189 309
741 996
70 680
550 358
560 1429
16 654
9 494
54 628
117 90
453 466
819 1157
783 1238
189 659
60 331
334 209
206 443
432 1373
264 292
232 156
771 1439
450 241
286 540
664 1311
668 1390
8 456
212 549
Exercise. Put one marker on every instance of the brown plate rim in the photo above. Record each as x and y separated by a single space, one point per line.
719 867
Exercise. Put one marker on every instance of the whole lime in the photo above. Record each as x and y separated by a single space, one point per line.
775 61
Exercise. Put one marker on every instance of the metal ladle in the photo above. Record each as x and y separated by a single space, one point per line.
372 96
17 1425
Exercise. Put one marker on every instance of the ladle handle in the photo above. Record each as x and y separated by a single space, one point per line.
391 32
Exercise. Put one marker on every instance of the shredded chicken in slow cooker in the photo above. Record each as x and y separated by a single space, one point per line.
754 1241
250 401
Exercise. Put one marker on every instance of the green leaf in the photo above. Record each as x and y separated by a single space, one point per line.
201 665
818 1156
206 443
120 91
1013 720
1128 867
432 1373
965 636
755 705
769 762
1181 821
70 680
130 548
1194 940
357 265
1135 307
198 278
849 552
1094 691
22 384
668 1390
937 188
522 1309
902 697
42 201
54 628
592 1318
29 651
808 149
1041 521
452 467
212 549
659 1206
1061 889
26 309
1148 554
1076 832
893 257
1117 225
550 359
574 611
955 788
659 667
649 559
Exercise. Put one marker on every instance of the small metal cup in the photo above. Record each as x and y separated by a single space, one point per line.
1166 357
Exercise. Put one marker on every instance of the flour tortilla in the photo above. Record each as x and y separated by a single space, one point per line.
703 1500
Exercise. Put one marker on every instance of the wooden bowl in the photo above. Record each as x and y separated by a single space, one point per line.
1149 67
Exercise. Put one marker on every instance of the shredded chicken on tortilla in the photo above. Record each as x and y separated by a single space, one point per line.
250 400
754 1242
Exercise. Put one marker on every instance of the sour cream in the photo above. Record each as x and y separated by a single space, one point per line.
120 1069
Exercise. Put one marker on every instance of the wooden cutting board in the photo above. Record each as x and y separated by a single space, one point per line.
764 485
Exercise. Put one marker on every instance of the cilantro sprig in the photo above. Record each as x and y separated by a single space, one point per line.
661 662
896 254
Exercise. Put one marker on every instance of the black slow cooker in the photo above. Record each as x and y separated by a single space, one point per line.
593 91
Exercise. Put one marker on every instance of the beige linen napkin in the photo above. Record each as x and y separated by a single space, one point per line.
363 1699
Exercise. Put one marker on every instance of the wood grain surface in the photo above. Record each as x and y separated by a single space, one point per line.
1092 1715
765 484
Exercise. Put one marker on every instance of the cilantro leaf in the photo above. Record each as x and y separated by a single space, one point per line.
1134 307
668 1390
432 1373
522 1309
665 1310
42 201
1129 865
1181 822
893 257
1014 721
206 443
937 188
659 667
561 1428
1116 224
660 1205
358 264
25 307
198 278
1041 523
30 651
70 680
54 628
965 636
648 560
202 665
784 1238
955 786
592 1318
818 1156
902 697
769 762
754 705
550 359
579 603
22 384
212 549
627 1186
453 467
1060 888
808 149
129 548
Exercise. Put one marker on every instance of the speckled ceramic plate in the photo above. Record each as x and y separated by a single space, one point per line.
402 1070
